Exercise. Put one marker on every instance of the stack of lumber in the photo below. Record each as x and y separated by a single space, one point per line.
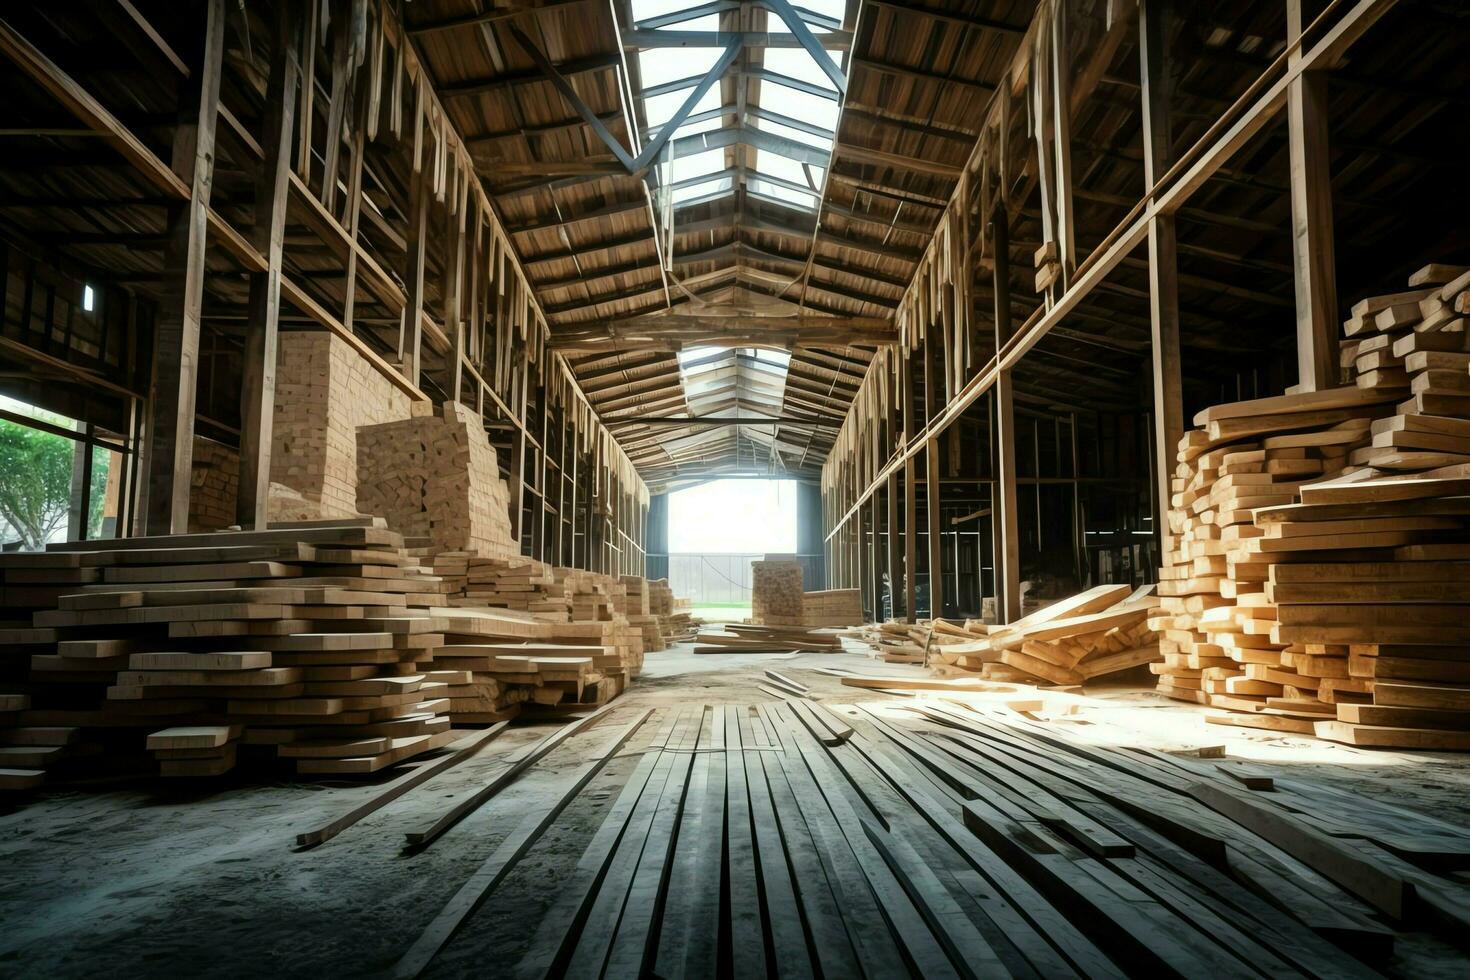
589 593
1215 620
674 619
514 661
651 630
435 477
746 638
635 598
325 389
776 593
660 597
621 643
1102 631
1339 608
193 751
833 607
1000 847
523 584
312 640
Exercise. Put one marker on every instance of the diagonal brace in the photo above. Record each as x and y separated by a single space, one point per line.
804 36
570 94
715 73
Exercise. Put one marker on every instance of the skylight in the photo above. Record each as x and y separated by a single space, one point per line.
802 114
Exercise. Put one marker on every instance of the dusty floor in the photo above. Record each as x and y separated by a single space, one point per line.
157 880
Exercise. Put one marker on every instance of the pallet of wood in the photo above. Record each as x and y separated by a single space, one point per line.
1289 614
776 593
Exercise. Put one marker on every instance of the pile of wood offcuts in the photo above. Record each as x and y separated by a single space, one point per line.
1092 634
1317 578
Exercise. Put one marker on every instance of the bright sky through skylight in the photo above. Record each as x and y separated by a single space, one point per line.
734 516
661 66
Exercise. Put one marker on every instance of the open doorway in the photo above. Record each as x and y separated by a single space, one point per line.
716 530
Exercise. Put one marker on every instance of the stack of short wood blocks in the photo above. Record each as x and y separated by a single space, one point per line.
776 593
1335 606
832 607
435 477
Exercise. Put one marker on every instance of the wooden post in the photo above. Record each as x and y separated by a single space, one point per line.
910 497
453 277
258 368
1154 17
936 565
78 522
411 334
1061 110
1004 505
1313 261
932 406
171 432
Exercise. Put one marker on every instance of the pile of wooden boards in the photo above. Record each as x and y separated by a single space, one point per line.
940 840
325 389
778 599
435 477
316 642
832 607
1093 634
326 644
1314 584
517 583
747 638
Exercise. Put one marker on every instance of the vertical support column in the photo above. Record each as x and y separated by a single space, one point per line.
538 525
1061 111
78 518
411 334
931 478
1004 505
1154 17
910 496
1313 261
262 318
453 286
171 432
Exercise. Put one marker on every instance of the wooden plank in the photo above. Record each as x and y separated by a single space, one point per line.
415 841
483 882
461 751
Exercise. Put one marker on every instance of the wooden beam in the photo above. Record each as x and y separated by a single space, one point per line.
897 161
176 353
1255 108
258 364
1007 527
492 16
1313 259
1154 17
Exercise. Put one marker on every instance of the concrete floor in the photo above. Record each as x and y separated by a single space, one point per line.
156 879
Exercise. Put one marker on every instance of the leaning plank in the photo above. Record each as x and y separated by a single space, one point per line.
461 750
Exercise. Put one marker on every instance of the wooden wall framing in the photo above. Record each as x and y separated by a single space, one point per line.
350 144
